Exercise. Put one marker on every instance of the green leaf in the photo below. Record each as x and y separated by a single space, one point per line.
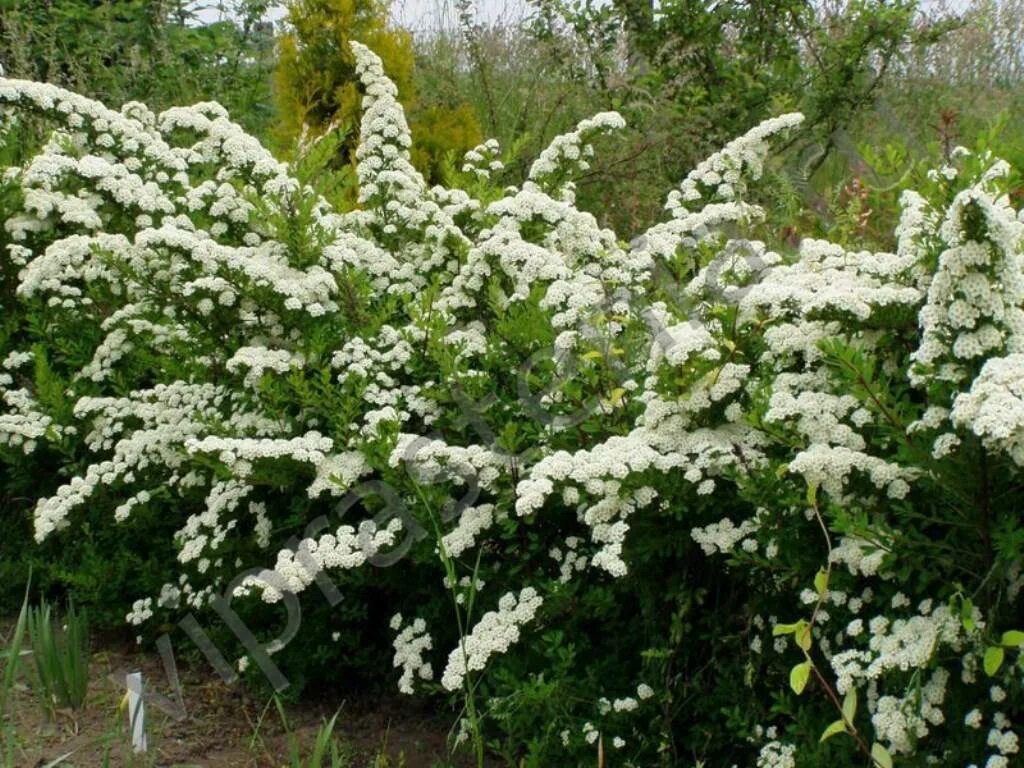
785 629
812 495
798 677
993 659
14 648
850 705
821 582
967 614
881 755
803 636
839 726
1013 638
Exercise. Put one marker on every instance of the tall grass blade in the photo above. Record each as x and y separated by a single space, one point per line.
61 656
14 652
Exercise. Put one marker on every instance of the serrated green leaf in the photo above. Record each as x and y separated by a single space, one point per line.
850 705
798 677
881 756
1014 638
839 726
993 659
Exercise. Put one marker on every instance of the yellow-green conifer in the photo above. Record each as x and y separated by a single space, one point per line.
316 86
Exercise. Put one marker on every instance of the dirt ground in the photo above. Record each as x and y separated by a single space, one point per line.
224 726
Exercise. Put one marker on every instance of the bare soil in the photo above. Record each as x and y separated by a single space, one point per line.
224 726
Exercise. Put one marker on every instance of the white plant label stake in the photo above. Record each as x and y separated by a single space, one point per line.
136 711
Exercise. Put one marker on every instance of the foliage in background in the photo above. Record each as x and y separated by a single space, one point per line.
157 52
317 90
514 83
962 86
688 74
316 87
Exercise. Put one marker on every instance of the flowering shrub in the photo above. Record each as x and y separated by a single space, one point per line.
484 387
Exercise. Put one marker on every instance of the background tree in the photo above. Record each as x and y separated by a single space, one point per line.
315 79
689 73
154 51
316 86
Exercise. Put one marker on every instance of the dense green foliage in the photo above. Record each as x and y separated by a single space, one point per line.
732 646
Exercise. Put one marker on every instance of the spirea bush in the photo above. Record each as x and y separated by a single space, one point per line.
698 497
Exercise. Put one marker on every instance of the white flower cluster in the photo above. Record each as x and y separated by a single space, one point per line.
901 721
723 174
162 421
384 165
665 445
569 562
777 754
859 556
483 160
993 409
239 454
473 521
347 547
568 154
435 459
975 305
410 644
24 423
495 633
259 360
903 644
724 535
830 467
